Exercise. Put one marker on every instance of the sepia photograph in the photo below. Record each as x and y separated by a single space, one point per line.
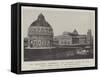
53 35
57 38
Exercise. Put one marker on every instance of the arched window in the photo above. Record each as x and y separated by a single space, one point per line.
34 43
31 43
39 43
48 43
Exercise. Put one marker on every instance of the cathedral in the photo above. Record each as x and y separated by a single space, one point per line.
40 35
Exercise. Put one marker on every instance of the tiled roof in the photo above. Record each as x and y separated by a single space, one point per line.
40 21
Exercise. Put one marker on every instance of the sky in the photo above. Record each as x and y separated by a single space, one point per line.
60 19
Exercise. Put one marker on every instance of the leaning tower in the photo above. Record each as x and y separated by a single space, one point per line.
89 37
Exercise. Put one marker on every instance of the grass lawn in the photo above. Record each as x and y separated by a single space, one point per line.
54 54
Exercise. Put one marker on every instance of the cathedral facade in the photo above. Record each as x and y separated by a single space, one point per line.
73 38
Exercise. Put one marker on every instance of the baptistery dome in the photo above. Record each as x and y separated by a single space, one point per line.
40 33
